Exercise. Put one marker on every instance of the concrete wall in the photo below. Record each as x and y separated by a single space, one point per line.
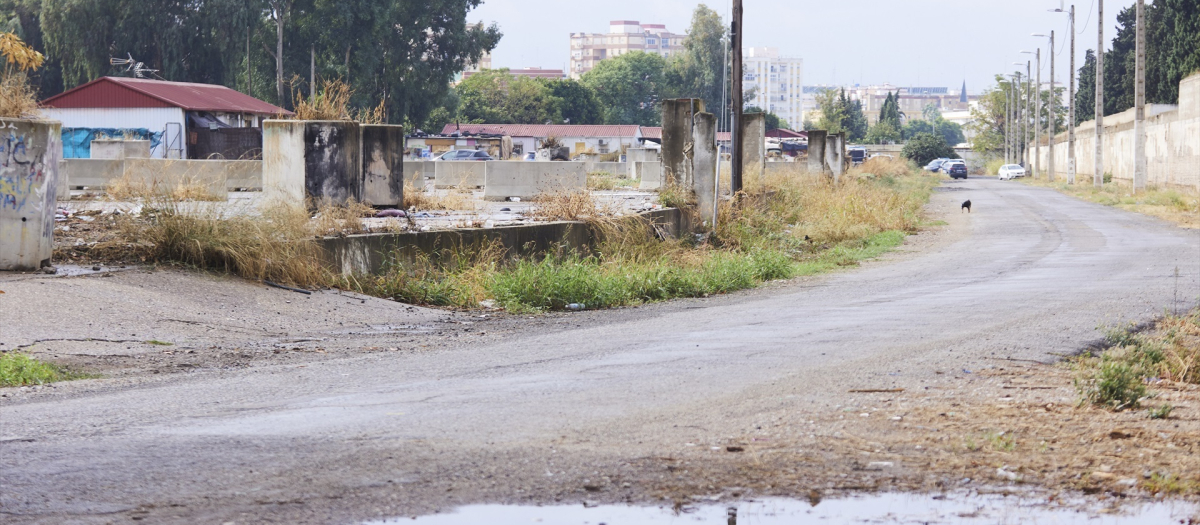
615 168
120 149
218 175
704 165
318 160
374 253
1172 144
816 150
635 155
28 185
382 165
649 173
676 139
456 173
415 172
504 179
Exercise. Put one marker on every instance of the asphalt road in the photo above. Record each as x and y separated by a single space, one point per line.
1030 274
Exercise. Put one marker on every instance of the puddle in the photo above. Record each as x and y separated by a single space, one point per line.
872 509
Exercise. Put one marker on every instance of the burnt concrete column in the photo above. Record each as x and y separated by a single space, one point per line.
816 151
835 155
677 139
312 161
754 145
704 164
382 165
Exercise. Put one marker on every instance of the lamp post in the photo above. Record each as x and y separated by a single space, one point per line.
1019 153
1070 99
1050 103
1028 95
1098 175
1037 118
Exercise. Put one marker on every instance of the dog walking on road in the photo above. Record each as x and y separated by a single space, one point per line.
967 205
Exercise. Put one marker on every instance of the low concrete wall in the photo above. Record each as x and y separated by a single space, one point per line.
1172 144
634 155
616 168
219 175
504 179
374 253
120 149
649 173
415 172
453 173
28 184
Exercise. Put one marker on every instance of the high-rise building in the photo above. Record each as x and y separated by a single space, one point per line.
777 82
624 36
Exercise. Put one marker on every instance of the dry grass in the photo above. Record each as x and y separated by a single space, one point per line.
331 102
883 167
374 115
341 220
17 98
433 200
144 184
569 206
1176 205
603 180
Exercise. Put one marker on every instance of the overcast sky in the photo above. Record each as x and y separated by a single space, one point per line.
906 42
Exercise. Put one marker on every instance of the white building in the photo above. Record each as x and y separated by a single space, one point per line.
778 83
624 36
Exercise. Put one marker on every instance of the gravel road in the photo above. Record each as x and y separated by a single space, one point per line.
558 408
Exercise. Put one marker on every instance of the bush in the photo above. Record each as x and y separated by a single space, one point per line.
1117 385
925 147
20 369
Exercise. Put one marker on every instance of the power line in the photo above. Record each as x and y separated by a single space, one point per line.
1089 18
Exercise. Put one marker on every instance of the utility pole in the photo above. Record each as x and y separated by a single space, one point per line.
735 37
1037 119
1025 121
1007 127
1050 123
1071 112
312 74
1139 101
1098 176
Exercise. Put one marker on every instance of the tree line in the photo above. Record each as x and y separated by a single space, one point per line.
839 113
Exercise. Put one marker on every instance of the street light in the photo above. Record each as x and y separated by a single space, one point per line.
1070 97
1050 109
1037 116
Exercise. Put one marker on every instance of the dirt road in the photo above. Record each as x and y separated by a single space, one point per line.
605 406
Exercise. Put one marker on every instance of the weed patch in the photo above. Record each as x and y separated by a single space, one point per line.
22 370
1117 378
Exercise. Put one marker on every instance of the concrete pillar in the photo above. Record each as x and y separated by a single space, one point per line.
382 165
677 139
317 160
835 155
28 187
754 145
816 151
704 165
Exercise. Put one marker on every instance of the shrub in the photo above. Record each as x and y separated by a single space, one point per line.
1116 385
20 369
924 147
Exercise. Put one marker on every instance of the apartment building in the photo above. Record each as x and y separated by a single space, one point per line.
778 83
624 36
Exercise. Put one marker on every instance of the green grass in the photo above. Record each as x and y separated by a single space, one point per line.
22 370
1117 377
787 229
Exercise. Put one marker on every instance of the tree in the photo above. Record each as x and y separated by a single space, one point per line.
1172 53
890 112
773 120
883 133
699 71
855 123
833 111
1085 96
497 97
576 102
933 123
925 147
988 116
629 88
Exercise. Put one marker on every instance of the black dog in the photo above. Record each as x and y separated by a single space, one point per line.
967 205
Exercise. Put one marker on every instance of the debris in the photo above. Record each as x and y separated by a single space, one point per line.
514 199
391 213
576 306
734 449
877 391
1120 434
1103 475
280 286
1005 474
505 209
880 464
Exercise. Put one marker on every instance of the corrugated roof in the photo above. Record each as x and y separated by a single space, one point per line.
655 133
120 92
545 130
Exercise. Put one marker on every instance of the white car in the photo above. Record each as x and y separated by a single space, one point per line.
1010 171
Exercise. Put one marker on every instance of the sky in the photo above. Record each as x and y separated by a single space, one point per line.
932 43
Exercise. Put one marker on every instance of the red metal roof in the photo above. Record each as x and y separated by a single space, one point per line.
656 134
119 92
545 130
786 134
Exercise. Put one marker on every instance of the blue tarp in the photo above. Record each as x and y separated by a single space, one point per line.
77 142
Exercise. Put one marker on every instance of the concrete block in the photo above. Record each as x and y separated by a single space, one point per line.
219 175
816 150
704 165
414 173
120 149
457 173
616 168
835 154
382 165
318 160
635 155
676 137
504 179
649 173
28 187
754 143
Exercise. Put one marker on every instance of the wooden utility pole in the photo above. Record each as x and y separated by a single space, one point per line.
1050 123
1139 101
1071 112
1098 176
735 41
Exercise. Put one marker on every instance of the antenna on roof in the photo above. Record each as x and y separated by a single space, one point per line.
138 69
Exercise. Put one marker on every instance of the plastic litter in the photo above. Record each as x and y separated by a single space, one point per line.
576 306
391 213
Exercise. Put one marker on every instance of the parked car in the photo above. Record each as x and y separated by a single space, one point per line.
956 169
857 154
465 154
529 156
1010 171
935 165
946 164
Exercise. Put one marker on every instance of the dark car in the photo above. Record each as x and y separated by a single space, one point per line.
935 164
957 170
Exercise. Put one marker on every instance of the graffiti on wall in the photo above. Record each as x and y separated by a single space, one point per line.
22 173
